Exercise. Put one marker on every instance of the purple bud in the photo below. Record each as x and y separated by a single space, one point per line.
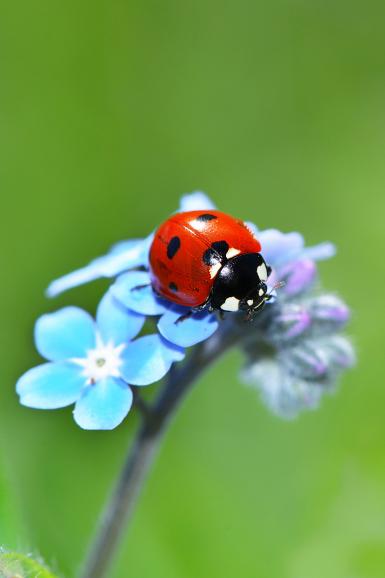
286 395
339 352
291 321
298 276
306 360
329 310
319 360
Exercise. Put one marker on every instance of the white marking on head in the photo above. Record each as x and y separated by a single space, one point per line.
250 302
261 292
262 272
214 270
232 252
231 304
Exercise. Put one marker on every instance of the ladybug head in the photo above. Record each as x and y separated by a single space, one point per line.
240 284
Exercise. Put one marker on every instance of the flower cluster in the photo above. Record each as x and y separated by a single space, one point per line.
303 353
293 350
303 350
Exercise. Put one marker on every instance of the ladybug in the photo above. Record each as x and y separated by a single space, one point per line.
209 260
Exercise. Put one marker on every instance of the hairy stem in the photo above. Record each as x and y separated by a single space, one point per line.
124 496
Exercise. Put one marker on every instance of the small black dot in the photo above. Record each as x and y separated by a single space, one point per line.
220 247
206 217
216 253
173 286
173 247
210 257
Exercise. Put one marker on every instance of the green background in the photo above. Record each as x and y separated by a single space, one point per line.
109 110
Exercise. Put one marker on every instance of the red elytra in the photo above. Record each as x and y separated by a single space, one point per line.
180 265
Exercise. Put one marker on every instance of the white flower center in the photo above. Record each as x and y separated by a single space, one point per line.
101 362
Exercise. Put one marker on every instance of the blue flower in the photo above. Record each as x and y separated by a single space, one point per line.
92 363
293 347
131 255
286 253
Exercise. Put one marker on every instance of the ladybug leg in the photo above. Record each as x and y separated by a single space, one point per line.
139 287
184 317
249 316
220 314
210 309
204 307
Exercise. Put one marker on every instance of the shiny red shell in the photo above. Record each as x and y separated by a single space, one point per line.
177 267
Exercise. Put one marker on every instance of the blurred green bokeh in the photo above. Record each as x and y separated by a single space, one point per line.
109 110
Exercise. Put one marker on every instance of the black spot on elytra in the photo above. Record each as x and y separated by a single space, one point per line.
220 247
216 253
210 257
173 247
173 286
206 217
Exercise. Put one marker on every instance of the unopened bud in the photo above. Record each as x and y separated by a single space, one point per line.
291 321
329 313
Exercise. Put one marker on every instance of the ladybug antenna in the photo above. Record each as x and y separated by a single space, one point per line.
277 285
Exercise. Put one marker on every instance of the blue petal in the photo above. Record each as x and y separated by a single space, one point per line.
50 386
67 333
138 249
142 300
122 257
320 252
148 359
115 322
187 332
280 248
253 228
103 405
196 201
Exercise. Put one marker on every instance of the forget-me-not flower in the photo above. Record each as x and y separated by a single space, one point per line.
93 364
294 349
280 250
